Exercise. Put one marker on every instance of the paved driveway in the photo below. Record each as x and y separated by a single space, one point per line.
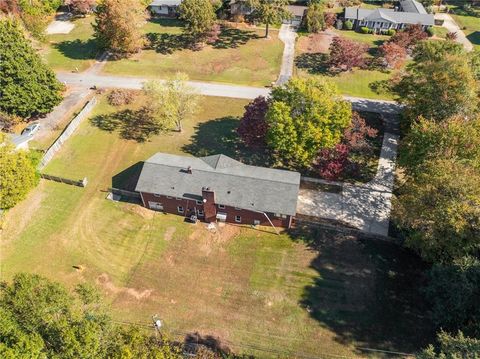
452 26
364 206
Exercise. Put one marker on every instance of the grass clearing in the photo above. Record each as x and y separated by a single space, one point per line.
470 25
311 54
72 51
241 56
309 291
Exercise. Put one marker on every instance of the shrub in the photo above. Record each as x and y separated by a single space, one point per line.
330 19
390 32
346 54
430 31
121 97
365 30
348 25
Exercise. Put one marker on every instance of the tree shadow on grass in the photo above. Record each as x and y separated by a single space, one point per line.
474 37
78 49
168 43
232 38
219 136
313 63
366 291
132 125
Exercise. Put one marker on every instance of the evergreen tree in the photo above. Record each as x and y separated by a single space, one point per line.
269 12
199 17
27 86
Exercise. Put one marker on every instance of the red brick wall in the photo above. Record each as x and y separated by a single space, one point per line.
247 217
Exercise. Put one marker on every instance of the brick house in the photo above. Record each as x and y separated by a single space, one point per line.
219 188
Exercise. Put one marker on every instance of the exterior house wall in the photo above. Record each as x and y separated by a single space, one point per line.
191 207
168 11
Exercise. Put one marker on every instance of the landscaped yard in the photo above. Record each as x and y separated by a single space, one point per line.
470 25
240 56
309 291
73 51
310 61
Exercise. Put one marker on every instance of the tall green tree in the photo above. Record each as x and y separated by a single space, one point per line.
314 18
269 12
171 102
27 86
17 174
304 117
118 25
452 347
199 17
438 89
440 210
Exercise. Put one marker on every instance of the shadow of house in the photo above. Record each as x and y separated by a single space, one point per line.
128 178
367 292
78 49
474 38
220 136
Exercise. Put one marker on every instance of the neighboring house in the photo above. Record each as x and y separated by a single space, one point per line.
298 13
240 8
219 188
164 7
410 12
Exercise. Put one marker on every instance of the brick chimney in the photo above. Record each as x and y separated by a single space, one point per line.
209 204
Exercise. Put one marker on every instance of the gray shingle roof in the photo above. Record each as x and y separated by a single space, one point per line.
412 6
165 3
390 15
234 183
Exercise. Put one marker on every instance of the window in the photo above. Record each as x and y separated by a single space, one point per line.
238 219
179 198
180 209
199 202
169 197
157 195
200 213
278 215
256 222
238 209
221 206
157 206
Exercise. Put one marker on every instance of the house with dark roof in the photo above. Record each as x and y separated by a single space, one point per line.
219 188
167 8
409 12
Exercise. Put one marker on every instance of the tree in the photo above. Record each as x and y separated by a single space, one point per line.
36 14
436 50
314 18
440 210
332 162
118 24
346 54
27 86
438 89
330 19
17 174
409 37
452 347
253 126
9 7
269 12
428 140
199 17
394 56
304 117
81 7
453 290
171 102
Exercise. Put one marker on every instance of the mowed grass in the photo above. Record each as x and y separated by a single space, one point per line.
73 51
241 57
470 25
355 83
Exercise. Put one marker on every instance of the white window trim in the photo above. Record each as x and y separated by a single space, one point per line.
200 213
238 209
169 197
238 219
221 206
182 209
157 195
199 202
178 198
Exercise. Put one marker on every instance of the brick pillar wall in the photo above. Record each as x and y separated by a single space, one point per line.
209 204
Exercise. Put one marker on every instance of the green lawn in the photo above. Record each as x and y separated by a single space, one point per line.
470 25
76 50
241 56
371 39
309 291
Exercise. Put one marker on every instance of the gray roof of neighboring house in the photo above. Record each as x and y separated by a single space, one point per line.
297 10
412 6
165 3
234 183
390 15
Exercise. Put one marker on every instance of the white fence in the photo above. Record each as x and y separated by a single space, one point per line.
72 126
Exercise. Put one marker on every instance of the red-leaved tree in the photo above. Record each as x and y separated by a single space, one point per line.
81 7
330 18
214 34
346 54
253 125
331 163
393 55
408 37
9 7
